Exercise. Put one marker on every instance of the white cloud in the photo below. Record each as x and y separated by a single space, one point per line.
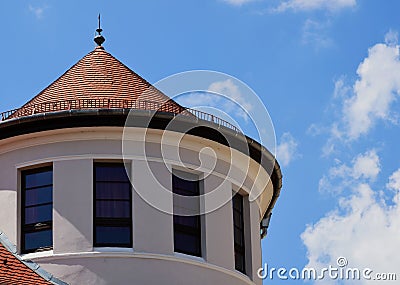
212 104
360 105
394 181
286 150
238 2
364 167
365 224
363 228
236 101
37 11
196 99
308 5
375 90
230 89
223 99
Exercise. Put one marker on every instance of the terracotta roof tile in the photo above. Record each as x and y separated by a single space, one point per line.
99 75
14 272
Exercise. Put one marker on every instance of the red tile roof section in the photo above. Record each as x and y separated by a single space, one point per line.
99 75
100 81
14 272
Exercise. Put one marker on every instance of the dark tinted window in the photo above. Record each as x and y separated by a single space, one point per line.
38 239
113 209
38 179
38 214
238 233
118 236
39 196
187 229
37 209
113 190
112 205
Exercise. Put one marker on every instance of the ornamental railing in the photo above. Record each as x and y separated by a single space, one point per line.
85 104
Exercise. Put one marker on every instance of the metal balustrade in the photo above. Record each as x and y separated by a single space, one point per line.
84 104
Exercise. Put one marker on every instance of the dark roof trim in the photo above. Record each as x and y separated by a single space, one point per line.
159 120
30 264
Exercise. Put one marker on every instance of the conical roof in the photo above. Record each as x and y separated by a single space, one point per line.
99 80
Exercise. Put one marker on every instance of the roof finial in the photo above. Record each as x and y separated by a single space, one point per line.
99 39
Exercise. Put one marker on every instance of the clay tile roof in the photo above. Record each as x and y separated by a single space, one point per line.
99 80
15 271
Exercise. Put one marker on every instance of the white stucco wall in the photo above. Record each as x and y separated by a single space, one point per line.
151 260
72 205
218 237
139 268
153 231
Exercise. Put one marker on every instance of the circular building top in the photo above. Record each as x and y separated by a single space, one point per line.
99 90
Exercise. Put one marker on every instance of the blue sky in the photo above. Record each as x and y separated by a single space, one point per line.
328 72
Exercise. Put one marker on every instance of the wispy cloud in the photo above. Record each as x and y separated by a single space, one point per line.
341 89
315 34
238 2
38 11
225 99
364 167
308 5
286 151
237 100
230 89
197 99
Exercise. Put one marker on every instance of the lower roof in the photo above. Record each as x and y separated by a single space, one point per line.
16 271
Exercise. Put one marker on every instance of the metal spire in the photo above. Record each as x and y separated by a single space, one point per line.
99 39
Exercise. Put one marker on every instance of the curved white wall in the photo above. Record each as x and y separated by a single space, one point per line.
152 259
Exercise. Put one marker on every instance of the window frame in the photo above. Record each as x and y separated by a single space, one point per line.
185 229
112 222
238 249
44 225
